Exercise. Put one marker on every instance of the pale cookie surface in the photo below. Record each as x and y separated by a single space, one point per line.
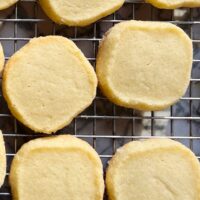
57 168
47 83
2 59
2 160
6 3
156 169
172 4
144 65
79 12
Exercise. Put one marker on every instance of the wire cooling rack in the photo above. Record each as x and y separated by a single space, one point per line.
104 125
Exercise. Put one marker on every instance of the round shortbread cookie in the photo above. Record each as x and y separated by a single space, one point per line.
156 169
2 160
2 59
144 65
7 3
57 168
79 12
172 4
47 83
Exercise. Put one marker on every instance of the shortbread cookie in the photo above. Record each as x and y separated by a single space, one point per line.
2 160
57 168
79 13
47 83
2 59
6 3
156 169
144 65
172 4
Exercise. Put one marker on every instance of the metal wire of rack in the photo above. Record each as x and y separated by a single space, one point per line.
104 125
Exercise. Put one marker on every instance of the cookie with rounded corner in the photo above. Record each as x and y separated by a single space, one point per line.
48 83
63 162
7 3
144 65
79 12
2 160
165 4
165 168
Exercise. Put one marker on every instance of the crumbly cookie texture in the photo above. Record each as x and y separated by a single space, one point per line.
79 12
144 65
153 169
172 4
47 83
58 168
2 160
7 3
